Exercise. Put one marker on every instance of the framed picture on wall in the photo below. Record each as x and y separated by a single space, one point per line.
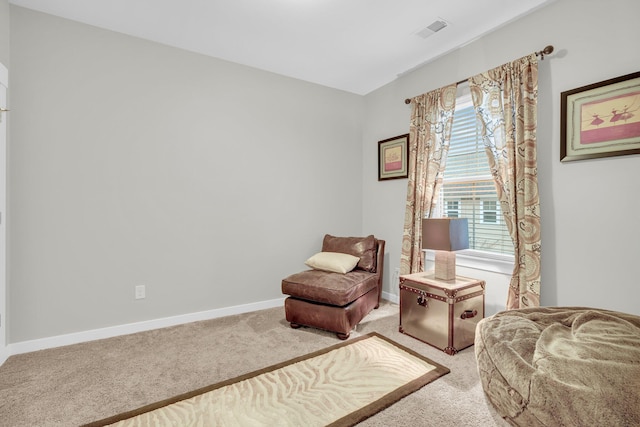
601 119
393 158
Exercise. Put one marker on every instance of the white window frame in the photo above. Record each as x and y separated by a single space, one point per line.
480 260
473 258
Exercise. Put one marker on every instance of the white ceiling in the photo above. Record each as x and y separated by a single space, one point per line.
352 45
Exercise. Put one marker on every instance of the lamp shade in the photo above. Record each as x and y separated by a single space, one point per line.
445 234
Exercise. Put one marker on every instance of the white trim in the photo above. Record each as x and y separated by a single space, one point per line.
391 297
114 331
4 355
495 263
5 352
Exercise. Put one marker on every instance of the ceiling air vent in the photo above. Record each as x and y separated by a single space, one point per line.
432 29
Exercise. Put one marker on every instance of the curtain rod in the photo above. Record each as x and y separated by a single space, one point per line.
541 53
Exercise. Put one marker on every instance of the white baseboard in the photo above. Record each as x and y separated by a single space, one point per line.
391 297
4 355
114 331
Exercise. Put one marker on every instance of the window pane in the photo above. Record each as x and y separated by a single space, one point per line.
453 207
468 189
490 211
466 156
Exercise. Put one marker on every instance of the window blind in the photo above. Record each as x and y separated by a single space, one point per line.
468 189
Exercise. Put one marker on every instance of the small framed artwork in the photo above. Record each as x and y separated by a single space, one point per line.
393 158
601 119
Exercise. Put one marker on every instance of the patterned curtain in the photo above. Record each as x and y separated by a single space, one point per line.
429 134
505 100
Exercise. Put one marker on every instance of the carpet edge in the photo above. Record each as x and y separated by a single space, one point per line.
396 395
183 396
349 420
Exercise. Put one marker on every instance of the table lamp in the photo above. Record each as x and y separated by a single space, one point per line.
445 235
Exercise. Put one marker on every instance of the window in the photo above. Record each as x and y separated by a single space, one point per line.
490 214
453 208
468 189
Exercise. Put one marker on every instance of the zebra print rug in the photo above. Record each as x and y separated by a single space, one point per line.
338 386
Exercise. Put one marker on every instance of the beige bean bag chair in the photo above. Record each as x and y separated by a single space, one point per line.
561 366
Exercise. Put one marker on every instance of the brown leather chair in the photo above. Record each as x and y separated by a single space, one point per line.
334 301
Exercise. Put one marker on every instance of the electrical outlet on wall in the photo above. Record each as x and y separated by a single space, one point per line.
140 292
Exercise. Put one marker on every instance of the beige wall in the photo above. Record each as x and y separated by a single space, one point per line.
136 163
590 244
4 32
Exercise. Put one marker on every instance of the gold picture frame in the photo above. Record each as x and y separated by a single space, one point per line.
393 158
601 119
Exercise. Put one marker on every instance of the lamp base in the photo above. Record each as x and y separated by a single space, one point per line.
445 268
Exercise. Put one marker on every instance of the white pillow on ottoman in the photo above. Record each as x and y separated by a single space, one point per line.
333 261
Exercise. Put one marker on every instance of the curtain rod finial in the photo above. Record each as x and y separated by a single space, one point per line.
546 51
407 101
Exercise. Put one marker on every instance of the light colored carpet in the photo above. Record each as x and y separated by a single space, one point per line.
78 384
338 386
